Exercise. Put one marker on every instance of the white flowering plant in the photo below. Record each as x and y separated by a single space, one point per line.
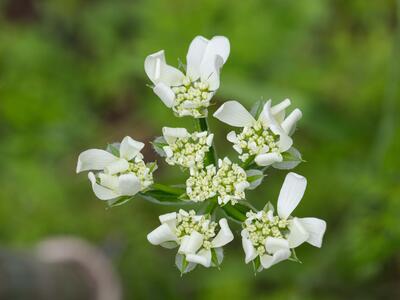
215 187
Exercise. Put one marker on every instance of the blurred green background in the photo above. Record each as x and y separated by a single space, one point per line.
72 78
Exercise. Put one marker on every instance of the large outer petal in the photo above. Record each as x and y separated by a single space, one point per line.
285 142
101 192
248 248
215 56
289 124
129 184
190 244
161 235
233 113
203 257
171 134
224 236
269 260
158 71
267 159
94 159
129 148
298 233
316 229
292 191
195 56
165 93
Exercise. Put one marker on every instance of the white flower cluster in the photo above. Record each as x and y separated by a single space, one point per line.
186 149
190 94
220 184
254 140
270 238
262 140
200 185
123 174
196 235
228 183
192 98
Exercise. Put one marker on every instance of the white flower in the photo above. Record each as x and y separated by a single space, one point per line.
199 186
230 182
186 149
195 235
116 175
190 94
271 237
264 139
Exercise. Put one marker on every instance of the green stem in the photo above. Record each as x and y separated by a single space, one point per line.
202 125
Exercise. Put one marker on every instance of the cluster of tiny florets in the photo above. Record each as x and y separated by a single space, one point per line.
192 98
189 151
261 225
254 140
143 172
230 182
187 222
199 186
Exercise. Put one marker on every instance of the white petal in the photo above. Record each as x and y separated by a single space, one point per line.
101 192
169 219
203 257
165 93
161 235
118 166
109 181
289 124
158 71
292 191
94 159
234 114
190 244
129 184
316 229
272 245
129 148
241 186
224 235
218 45
210 139
249 251
171 134
210 71
267 159
267 260
298 234
280 107
285 142
195 56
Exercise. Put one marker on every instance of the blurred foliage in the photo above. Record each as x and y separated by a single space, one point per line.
71 78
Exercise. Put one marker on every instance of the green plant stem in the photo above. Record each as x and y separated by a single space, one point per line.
202 125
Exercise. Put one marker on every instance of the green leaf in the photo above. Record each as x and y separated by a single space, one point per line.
113 149
158 144
217 255
291 159
237 212
294 257
257 108
165 195
256 265
208 207
183 265
119 201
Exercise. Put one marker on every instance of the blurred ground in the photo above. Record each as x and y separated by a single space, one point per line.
72 78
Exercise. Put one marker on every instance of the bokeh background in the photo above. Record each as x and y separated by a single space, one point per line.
72 78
